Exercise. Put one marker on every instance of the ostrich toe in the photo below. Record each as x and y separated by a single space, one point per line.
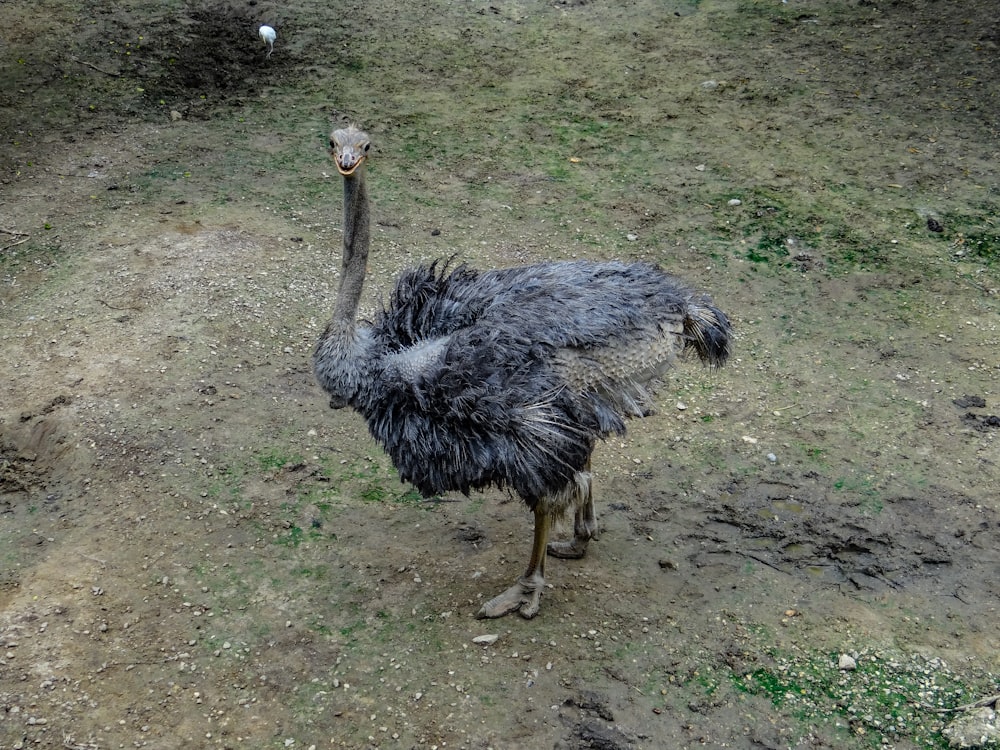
584 528
571 550
524 597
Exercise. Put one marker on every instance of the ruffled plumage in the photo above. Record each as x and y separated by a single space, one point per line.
495 378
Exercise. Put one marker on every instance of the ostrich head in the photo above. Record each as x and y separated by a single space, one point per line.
349 147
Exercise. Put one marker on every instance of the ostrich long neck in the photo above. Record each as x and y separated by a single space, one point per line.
356 240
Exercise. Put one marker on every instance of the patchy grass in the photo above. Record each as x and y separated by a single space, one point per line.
890 696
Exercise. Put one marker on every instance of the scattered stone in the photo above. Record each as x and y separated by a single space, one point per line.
631 237
735 202
486 640
772 458
847 663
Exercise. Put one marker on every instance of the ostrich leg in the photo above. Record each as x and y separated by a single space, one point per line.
526 593
584 520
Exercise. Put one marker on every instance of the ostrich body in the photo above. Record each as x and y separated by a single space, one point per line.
505 378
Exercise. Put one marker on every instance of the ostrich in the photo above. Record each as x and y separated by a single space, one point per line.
505 378
268 35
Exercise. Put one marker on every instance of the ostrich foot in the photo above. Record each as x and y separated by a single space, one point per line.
572 550
584 529
523 596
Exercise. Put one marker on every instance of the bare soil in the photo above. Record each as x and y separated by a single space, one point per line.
196 552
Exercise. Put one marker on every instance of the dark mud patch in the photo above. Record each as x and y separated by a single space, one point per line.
34 455
42 483
858 541
128 61
207 55
591 724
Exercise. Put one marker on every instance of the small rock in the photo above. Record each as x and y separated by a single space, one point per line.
700 168
175 115
681 406
486 640
847 663
710 84
772 458
735 202
631 237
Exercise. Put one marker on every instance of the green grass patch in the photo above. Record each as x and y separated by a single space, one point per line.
888 697
274 459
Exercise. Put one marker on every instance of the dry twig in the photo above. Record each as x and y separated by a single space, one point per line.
94 67
23 235
987 701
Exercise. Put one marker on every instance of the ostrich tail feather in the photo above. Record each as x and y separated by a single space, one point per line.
708 331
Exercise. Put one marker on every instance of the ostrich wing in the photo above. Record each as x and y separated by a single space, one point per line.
610 328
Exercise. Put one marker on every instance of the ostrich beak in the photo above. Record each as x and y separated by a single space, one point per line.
347 163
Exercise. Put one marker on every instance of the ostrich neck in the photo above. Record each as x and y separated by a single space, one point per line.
355 261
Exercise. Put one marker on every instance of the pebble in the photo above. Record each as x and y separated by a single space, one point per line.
735 202
631 237
847 663
772 458
486 640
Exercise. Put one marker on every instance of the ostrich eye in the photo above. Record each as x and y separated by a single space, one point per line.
333 144
367 146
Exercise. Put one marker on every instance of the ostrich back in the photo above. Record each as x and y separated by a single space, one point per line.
508 377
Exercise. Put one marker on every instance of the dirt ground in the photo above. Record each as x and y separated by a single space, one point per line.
798 550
